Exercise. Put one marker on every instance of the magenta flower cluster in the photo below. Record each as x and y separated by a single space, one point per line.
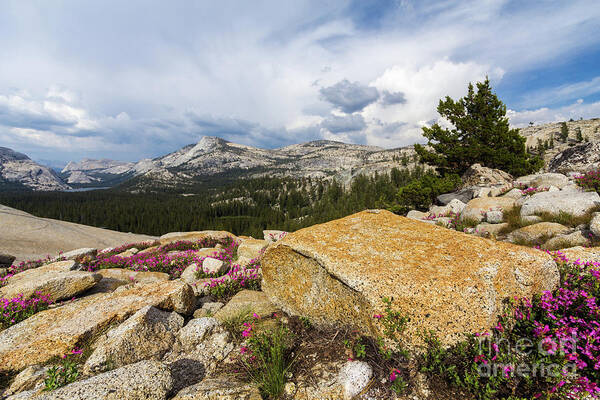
589 181
171 258
17 309
529 191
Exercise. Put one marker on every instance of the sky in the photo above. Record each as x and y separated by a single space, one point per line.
128 80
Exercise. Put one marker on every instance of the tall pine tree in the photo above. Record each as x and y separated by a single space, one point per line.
480 134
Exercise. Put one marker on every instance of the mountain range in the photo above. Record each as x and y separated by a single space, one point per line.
214 159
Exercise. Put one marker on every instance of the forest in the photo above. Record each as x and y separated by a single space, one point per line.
244 207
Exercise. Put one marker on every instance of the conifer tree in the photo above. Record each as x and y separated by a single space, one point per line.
480 134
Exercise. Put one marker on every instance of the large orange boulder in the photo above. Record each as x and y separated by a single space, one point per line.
446 281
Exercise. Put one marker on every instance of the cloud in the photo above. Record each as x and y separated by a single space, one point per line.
349 96
345 123
104 80
578 109
389 98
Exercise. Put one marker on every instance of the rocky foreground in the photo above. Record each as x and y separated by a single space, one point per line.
339 310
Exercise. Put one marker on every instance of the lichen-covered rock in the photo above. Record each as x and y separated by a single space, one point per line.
252 248
336 274
252 301
583 254
574 203
147 334
193 236
577 238
537 232
31 378
54 332
54 280
219 388
477 208
208 309
200 347
513 194
146 380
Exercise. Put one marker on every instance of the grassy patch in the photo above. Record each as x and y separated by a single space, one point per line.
268 359
568 219
234 324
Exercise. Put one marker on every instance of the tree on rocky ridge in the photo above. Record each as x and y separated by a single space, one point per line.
480 134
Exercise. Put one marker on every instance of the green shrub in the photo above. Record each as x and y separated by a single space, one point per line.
420 193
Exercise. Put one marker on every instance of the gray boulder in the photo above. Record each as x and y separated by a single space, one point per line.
463 195
580 158
574 203
147 334
222 388
146 380
6 260
354 376
544 180
55 280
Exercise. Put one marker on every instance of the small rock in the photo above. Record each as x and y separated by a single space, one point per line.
595 224
535 233
513 194
477 208
252 300
214 266
492 229
353 377
565 241
252 248
31 378
494 217
6 260
418 215
78 253
208 309
189 274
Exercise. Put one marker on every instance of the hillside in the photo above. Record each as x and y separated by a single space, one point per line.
18 171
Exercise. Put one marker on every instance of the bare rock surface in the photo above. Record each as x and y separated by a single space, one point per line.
251 248
547 179
147 334
536 232
52 279
336 273
574 203
477 208
54 332
28 237
193 236
252 301
478 175
219 388
146 380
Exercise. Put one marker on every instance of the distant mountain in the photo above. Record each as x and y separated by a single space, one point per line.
215 157
89 172
17 171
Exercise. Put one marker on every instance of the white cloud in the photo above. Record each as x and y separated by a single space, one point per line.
108 72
